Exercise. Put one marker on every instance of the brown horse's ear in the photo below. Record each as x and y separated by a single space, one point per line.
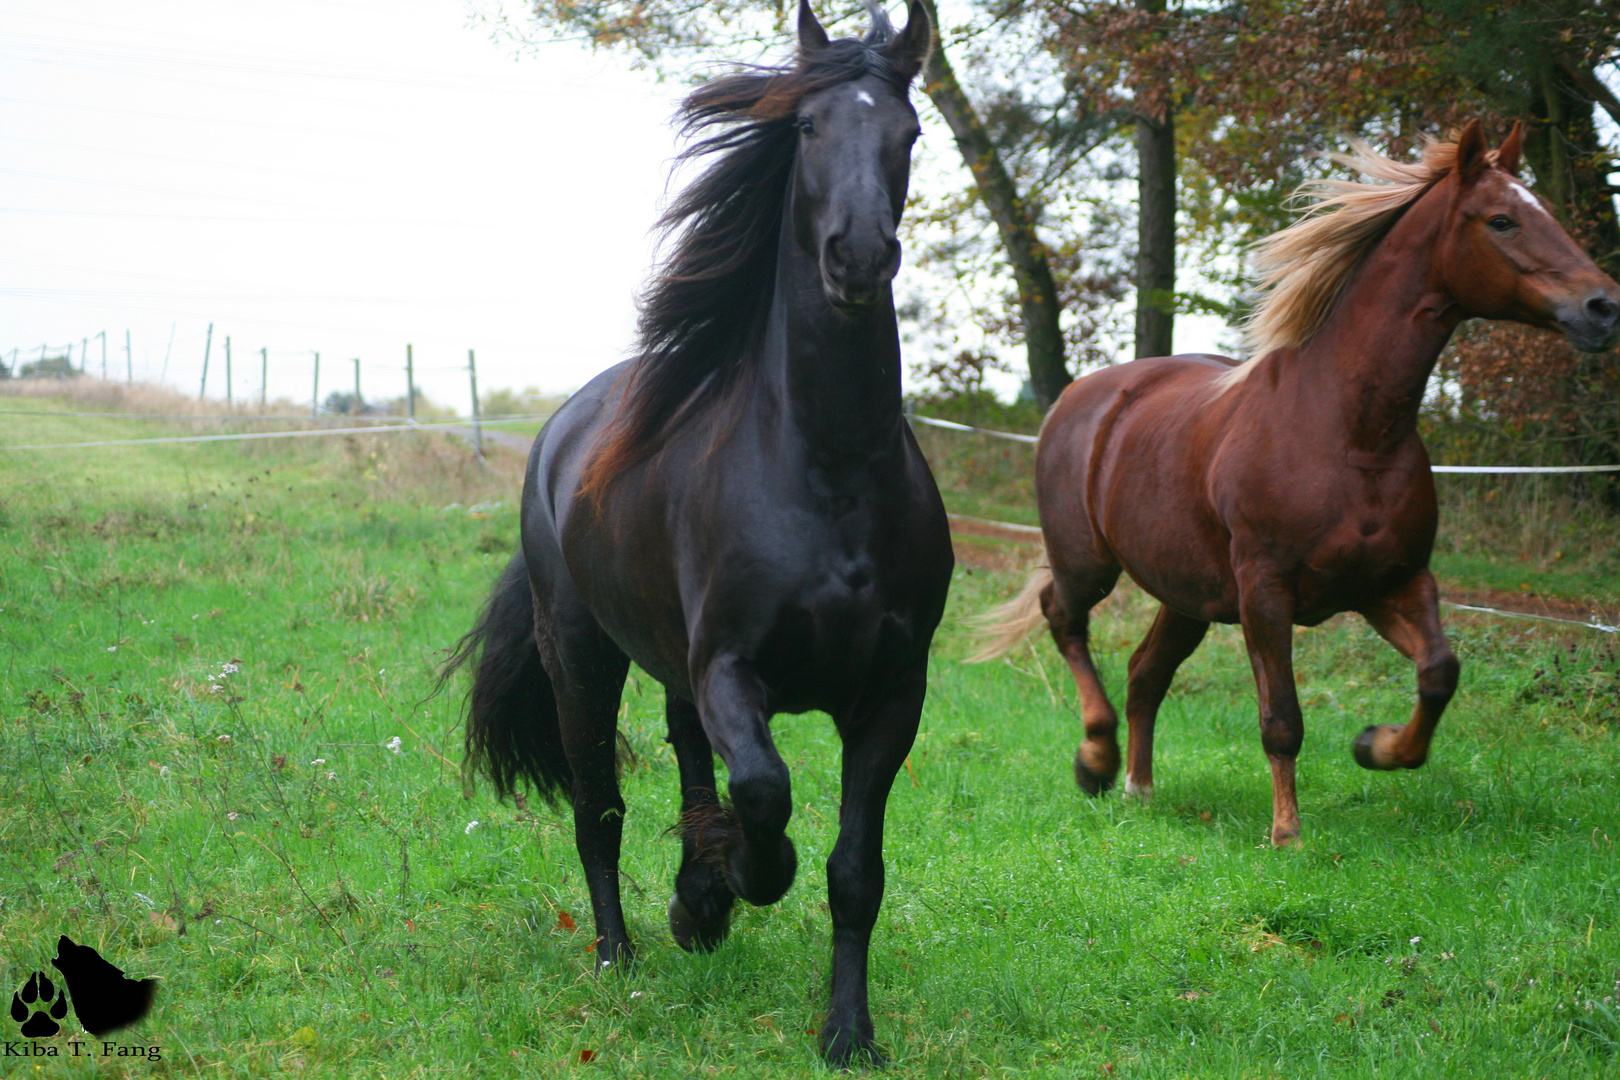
908 52
1471 154
811 34
1507 155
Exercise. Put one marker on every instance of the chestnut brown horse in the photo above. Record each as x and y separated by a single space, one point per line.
1291 488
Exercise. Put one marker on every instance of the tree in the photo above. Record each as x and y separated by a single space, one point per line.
666 35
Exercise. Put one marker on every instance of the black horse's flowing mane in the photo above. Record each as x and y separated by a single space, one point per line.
705 309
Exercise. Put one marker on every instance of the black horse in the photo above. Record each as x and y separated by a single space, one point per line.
742 511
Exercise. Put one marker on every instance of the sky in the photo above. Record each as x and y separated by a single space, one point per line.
340 176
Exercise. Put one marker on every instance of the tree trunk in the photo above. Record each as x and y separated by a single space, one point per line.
1155 235
1040 306
1155 225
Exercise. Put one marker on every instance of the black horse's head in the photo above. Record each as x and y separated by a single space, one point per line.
855 135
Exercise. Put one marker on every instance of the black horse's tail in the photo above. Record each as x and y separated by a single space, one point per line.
513 731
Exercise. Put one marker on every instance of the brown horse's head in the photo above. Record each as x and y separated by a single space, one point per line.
1504 255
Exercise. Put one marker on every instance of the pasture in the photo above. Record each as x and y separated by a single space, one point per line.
318 904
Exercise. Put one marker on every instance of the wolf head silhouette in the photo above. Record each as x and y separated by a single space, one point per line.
102 997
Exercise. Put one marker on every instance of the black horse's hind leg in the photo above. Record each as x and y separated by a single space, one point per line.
588 671
761 867
700 910
876 742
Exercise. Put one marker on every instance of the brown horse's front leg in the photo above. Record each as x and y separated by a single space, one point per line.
1266 608
1409 619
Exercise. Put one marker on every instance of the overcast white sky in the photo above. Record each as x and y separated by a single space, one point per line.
336 175
341 176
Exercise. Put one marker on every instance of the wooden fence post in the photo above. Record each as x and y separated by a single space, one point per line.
208 346
410 384
478 423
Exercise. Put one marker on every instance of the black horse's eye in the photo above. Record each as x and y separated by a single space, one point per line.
805 125
1501 223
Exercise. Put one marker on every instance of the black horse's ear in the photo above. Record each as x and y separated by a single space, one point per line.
1472 160
908 52
1507 155
811 34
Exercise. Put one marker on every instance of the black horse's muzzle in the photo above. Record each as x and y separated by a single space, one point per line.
855 273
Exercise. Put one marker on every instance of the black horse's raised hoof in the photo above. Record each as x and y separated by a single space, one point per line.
693 934
1370 755
1092 783
763 885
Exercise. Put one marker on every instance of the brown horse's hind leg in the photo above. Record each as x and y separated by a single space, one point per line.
1409 619
1067 604
1266 608
1173 638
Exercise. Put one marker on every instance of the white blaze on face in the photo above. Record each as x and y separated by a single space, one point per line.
864 98
1525 196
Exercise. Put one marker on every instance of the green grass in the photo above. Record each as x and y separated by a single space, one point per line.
1027 930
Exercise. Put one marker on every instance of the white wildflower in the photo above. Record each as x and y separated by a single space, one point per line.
471 825
164 772
231 816
394 744
230 667
112 648
1415 940
225 738
319 761
331 776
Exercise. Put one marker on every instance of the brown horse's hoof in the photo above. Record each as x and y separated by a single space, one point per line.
692 936
1091 782
1284 835
1374 749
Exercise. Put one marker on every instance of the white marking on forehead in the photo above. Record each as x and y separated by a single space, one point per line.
1526 196
864 98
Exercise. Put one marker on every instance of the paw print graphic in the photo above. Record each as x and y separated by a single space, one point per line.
38 1006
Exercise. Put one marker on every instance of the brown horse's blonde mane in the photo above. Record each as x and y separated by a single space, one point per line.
1302 269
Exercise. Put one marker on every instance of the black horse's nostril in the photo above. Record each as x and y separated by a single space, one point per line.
1601 308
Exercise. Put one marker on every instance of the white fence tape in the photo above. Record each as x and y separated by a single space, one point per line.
954 426
1498 470
1027 530
464 425
1593 625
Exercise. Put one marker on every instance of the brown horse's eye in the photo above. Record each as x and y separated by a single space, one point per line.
805 125
1501 223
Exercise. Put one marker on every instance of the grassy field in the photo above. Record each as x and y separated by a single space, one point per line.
209 648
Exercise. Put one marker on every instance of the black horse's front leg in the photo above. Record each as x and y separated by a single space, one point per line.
876 741
761 862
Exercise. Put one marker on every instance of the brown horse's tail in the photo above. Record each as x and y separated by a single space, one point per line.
1002 627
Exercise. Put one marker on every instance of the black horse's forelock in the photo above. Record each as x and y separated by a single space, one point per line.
706 307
